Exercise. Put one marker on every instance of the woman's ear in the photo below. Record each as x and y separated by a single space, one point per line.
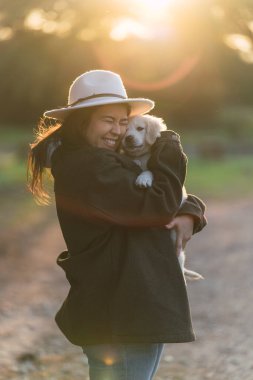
153 129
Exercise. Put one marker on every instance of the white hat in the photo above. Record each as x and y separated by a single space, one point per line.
97 88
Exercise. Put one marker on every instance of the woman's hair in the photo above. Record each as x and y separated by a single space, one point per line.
48 136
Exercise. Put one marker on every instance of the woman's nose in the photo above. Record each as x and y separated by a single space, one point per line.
117 128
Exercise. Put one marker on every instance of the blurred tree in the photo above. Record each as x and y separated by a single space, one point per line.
191 56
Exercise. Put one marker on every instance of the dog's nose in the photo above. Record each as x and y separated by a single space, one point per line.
129 139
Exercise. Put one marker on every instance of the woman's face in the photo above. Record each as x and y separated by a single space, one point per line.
107 126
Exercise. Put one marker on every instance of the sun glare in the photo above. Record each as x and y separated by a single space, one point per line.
150 20
238 42
153 8
128 27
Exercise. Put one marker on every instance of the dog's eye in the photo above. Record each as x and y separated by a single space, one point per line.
139 129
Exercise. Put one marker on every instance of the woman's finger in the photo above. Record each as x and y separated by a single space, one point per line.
170 225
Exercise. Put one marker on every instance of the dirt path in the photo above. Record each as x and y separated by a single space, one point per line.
32 288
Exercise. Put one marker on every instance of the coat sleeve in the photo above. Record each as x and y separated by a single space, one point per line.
192 205
196 208
98 185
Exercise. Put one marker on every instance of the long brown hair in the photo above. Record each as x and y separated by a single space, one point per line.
68 133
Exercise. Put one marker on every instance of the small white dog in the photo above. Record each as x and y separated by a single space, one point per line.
141 134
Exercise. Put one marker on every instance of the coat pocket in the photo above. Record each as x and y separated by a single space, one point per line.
89 269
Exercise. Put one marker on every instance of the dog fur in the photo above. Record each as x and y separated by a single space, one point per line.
141 134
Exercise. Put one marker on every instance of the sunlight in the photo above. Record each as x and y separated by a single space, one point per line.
238 42
60 5
63 27
46 22
35 19
153 8
87 34
6 33
128 27
218 12
247 57
49 27
150 20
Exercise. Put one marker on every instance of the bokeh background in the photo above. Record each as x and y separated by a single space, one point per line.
193 57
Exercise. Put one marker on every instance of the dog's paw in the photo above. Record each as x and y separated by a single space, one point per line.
145 179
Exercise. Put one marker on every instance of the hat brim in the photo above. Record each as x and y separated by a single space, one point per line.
138 106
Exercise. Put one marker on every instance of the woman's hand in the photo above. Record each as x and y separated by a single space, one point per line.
183 225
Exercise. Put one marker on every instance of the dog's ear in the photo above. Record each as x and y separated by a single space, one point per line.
154 127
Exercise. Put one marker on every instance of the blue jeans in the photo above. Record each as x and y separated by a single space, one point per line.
123 361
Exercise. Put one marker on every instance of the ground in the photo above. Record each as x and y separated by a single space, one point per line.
32 288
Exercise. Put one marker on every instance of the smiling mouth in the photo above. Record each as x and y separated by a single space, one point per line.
110 142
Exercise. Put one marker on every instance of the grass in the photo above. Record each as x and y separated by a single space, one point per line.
13 171
13 136
228 178
18 207
14 144
231 124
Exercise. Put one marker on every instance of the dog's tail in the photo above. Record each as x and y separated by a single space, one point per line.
191 275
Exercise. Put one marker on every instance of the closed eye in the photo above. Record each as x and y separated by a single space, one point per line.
108 119
139 129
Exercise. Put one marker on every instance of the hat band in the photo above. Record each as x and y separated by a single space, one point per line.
95 96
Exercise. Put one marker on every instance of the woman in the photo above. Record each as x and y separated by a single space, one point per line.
127 293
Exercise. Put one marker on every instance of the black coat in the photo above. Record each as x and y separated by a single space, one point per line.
126 284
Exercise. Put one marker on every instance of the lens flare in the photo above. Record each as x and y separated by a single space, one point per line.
127 27
153 8
181 70
109 361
